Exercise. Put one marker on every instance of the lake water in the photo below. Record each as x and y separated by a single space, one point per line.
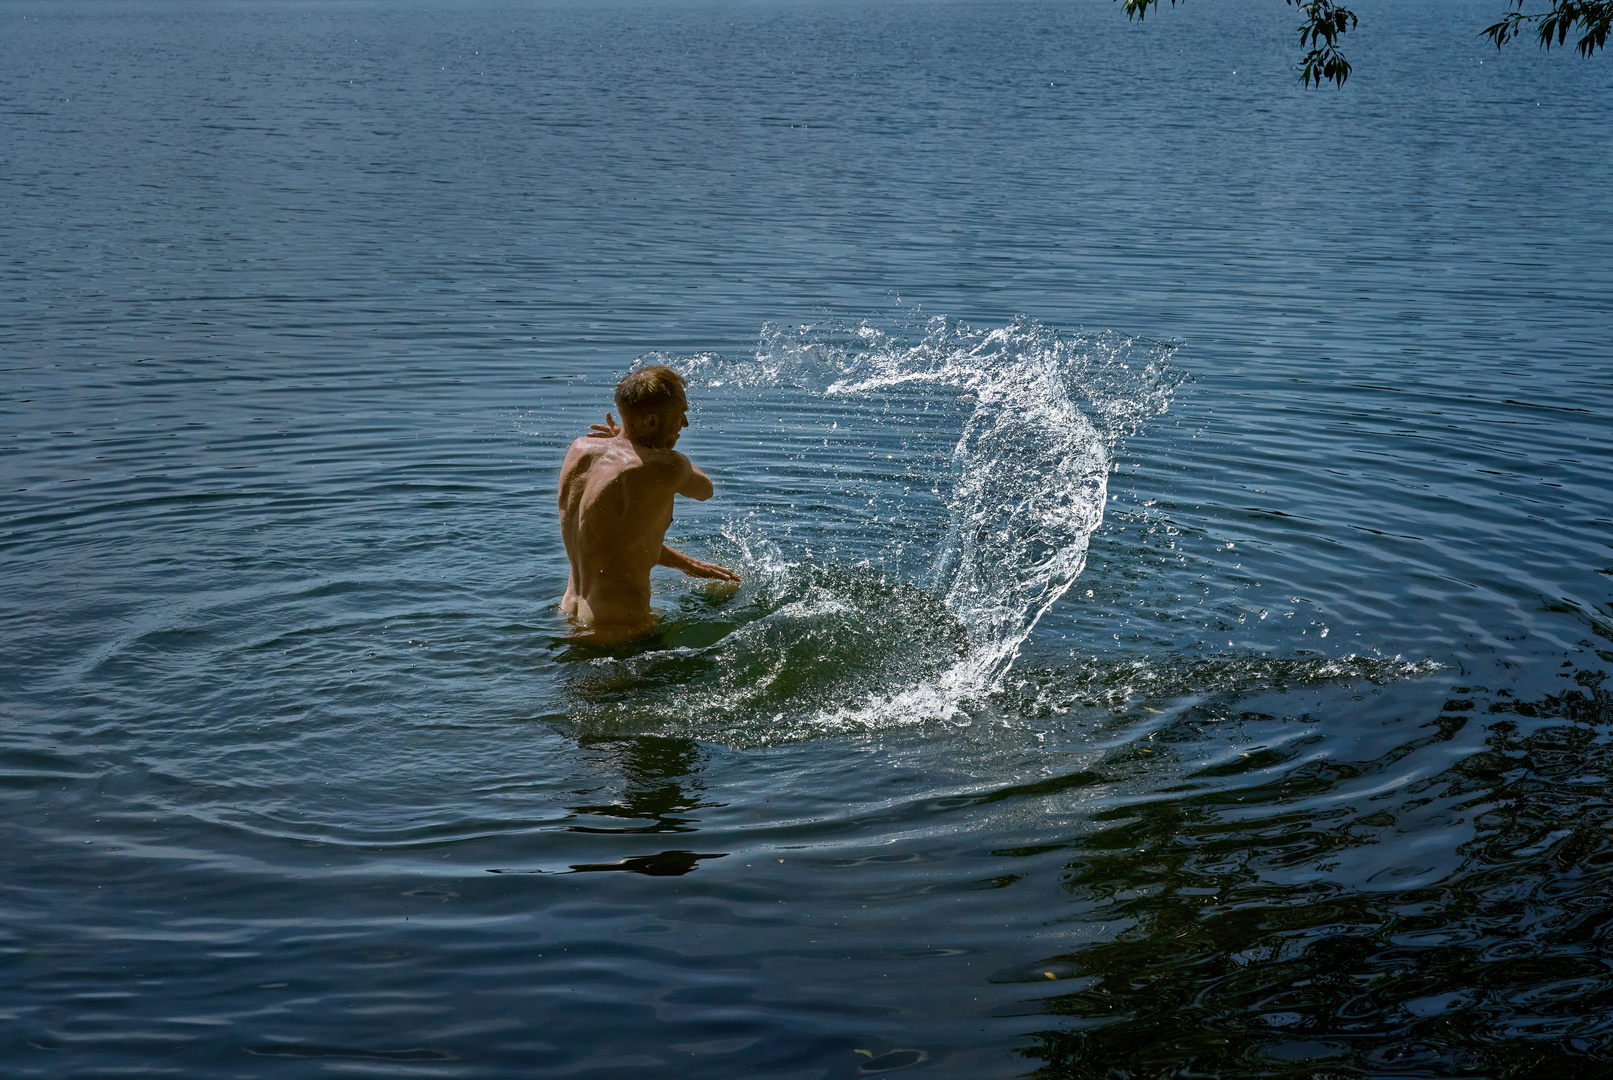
1174 509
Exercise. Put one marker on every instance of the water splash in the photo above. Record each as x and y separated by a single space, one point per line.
975 476
1031 467
1043 411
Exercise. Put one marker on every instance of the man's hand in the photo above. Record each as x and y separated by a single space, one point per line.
677 560
697 568
608 430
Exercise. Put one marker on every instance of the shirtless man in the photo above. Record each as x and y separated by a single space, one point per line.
616 489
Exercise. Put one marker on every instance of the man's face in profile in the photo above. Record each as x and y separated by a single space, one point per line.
670 424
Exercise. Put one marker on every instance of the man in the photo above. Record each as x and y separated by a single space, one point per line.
616 489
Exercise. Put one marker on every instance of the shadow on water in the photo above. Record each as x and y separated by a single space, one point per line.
1333 917
664 864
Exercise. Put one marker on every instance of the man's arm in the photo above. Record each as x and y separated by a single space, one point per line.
677 560
680 474
693 484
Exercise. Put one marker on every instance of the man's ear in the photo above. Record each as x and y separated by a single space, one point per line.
649 423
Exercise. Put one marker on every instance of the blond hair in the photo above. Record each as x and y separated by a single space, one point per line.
648 390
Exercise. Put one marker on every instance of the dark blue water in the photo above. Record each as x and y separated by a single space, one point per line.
1174 510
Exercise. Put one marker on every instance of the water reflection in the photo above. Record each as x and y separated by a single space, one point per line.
661 786
1237 948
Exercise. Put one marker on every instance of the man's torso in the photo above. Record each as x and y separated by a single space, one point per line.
615 506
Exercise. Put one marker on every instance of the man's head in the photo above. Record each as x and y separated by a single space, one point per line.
653 407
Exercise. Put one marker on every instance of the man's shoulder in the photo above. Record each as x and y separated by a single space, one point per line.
664 459
662 466
585 458
587 445
641 471
621 459
589 451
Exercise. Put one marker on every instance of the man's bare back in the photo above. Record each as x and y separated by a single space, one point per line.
616 491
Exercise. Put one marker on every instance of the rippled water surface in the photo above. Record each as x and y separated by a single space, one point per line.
1173 508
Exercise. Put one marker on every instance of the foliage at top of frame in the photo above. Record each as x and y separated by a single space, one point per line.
1326 22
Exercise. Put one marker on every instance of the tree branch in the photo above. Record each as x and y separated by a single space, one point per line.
1593 17
1325 22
